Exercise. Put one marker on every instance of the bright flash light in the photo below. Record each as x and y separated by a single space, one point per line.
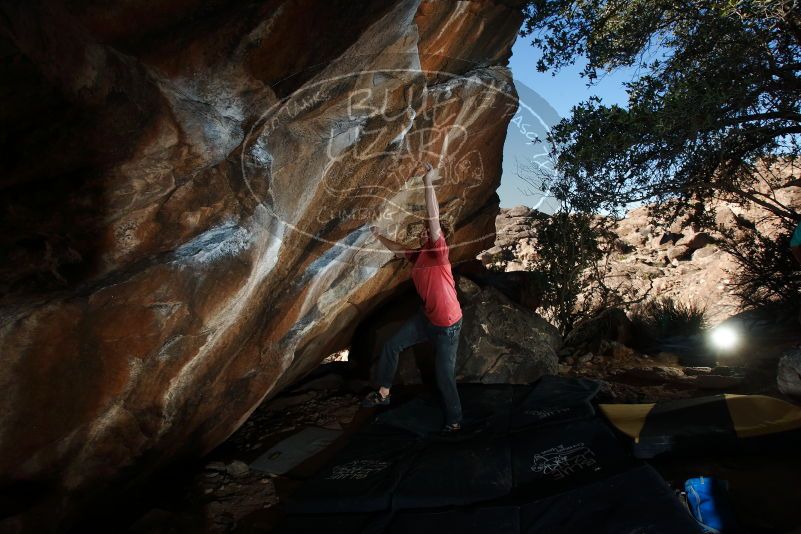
724 337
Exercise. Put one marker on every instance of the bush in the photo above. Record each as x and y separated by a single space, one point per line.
768 272
570 245
664 318
497 262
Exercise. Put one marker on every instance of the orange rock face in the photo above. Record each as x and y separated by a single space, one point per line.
186 211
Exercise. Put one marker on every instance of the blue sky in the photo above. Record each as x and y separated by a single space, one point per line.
546 98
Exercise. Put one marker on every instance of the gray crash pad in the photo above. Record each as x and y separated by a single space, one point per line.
292 451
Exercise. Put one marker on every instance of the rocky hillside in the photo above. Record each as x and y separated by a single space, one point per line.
677 262
689 267
186 206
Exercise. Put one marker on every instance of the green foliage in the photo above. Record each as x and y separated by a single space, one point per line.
768 272
496 261
714 109
719 91
665 318
568 245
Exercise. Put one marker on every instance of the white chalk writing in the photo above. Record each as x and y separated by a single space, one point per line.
545 413
564 460
357 469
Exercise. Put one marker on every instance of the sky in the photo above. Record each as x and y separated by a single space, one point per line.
545 99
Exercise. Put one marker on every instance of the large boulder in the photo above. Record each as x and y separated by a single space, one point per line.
696 240
611 324
789 373
501 341
186 209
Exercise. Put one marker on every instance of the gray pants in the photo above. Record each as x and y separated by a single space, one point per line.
446 342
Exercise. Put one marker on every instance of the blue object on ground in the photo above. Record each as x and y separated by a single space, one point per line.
706 497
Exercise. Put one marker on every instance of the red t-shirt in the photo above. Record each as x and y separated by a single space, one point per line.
433 280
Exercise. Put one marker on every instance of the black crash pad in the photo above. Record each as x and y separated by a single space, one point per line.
345 523
485 409
481 520
518 466
636 501
457 473
556 458
716 424
361 478
553 400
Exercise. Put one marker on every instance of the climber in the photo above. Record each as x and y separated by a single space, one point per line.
439 319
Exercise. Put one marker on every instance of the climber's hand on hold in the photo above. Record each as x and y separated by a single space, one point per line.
428 178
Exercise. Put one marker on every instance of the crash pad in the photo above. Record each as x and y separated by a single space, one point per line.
292 451
553 400
554 459
485 408
457 473
360 478
636 500
715 423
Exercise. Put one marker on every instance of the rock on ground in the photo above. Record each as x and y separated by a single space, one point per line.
502 342
789 373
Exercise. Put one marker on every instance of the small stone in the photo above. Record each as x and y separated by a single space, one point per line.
788 376
332 425
694 371
619 351
237 469
586 357
699 241
667 358
216 466
518 211
679 252
705 252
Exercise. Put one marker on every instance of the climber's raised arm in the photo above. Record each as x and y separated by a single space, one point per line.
432 207
397 248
